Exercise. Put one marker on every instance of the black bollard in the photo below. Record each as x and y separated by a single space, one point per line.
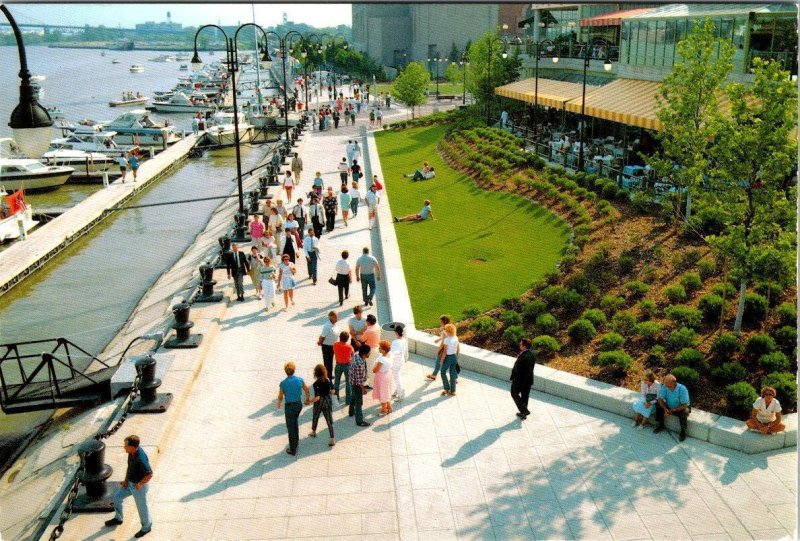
262 186
95 496
149 400
224 250
253 204
240 233
272 174
183 338
207 283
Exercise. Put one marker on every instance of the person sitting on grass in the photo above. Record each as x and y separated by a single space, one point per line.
423 215
424 173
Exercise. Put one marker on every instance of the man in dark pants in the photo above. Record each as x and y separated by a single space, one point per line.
137 476
317 215
327 338
522 378
290 389
237 266
673 399
358 377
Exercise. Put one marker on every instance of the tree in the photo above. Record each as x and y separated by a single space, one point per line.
454 73
753 153
410 85
689 112
483 78
454 54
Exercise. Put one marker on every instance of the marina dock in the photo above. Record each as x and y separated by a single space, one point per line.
26 256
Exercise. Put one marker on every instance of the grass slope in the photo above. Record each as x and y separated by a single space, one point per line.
483 246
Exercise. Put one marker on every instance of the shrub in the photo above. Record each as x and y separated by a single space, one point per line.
786 338
552 295
611 303
706 267
692 358
533 309
514 334
787 314
691 282
597 317
786 385
724 289
725 345
547 323
686 259
649 331
610 341
511 318
687 376
545 344
675 293
571 301
616 359
771 290
642 202
760 344
583 284
483 325
774 362
755 308
682 338
510 303
471 311
647 308
657 355
711 307
741 396
636 289
581 330
625 264
624 322
729 372
684 316
710 220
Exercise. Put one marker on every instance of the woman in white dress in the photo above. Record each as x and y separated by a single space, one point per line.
286 272
399 355
646 403
268 283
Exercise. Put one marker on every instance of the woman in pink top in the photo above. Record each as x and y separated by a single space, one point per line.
257 231
383 378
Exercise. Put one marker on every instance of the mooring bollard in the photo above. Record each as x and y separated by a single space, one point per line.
224 249
183 338
207 280
272 173
149 400
97 492
254 201
262 186
105 179
240 233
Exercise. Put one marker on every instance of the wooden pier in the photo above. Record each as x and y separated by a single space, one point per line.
25 257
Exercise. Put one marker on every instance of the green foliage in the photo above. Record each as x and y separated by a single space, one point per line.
595 316
692 358
611 303
786 338
583 284
484 76
545 344
711 307
409 86
725 346
610 341
774 362
760 344
471 311
724 289
741 396
624 322
649 331
616 359
625 264
686 375
706 267
691 282
684 316
682 338
547 323
514 334
755 308
581 330
533 309
729 372
483 325
686 259
658 354
454 73
786 385
510 303
511 318
675 293
647 308
636 289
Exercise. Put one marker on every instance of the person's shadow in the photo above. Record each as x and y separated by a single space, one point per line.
475 445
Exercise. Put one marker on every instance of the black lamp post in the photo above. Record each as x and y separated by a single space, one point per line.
283 50
492 40
463 62
437 59
30 122
332 47
232 62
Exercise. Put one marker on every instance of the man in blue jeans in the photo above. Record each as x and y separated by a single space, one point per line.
367 271
673 399
291 389
137 476
358 378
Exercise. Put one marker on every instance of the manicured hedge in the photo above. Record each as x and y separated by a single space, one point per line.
582 330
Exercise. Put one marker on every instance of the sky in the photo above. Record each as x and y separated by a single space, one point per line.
190 14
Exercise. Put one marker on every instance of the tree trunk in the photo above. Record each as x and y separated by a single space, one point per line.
737 326
688 206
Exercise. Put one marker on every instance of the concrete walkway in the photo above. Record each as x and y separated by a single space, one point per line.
437 468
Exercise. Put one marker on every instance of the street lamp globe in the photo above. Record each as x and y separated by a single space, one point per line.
31 124
555 60
607 65
196 62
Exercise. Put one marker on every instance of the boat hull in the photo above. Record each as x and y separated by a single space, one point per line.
177 108
10 227
122 103
37 182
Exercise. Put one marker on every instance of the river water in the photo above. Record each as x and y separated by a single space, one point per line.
88 291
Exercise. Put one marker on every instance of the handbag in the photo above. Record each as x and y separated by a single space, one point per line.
458 368
332 281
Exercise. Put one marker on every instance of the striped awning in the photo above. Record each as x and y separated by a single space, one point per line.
552 93
612 19
627 101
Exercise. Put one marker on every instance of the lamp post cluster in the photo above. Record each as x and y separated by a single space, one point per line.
506 41
284 46
464 62
437 59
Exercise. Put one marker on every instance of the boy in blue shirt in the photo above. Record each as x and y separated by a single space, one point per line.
291 389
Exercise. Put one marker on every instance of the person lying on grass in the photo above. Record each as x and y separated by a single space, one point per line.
424 214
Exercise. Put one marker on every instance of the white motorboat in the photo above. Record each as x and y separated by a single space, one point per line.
115 61
184 67
129 98
91 139
16 216
181 103
84 163
136 68
34 176
223 130
134 127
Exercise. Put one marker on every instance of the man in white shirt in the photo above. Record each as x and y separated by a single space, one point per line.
372 200
348 150
300 212
328 337
311 250
344 169
317 215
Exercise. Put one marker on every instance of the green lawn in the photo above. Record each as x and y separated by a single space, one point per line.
482 247
445 89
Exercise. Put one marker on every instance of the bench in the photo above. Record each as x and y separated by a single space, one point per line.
449 97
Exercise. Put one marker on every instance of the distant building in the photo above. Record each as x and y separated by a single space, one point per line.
396 34
167 27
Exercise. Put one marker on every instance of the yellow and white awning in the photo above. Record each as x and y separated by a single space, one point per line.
552 93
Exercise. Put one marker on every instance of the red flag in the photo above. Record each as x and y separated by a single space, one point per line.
16 202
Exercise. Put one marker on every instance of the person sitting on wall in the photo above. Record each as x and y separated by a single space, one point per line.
766 414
